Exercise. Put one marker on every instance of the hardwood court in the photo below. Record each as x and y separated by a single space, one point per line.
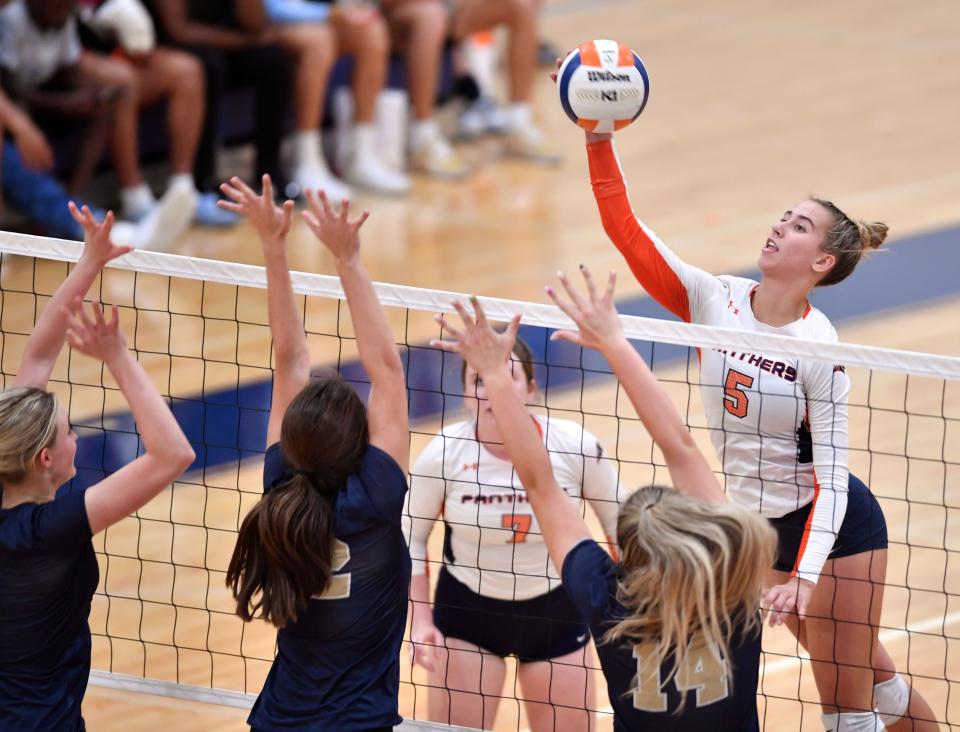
753 106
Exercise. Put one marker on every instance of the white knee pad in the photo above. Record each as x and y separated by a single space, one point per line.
891 699
849 722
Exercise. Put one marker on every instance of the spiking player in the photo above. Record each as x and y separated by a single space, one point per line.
48 568
322 555
676 620
498 594
780 429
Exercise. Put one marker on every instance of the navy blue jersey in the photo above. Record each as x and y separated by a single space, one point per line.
338 665
721 697
48 574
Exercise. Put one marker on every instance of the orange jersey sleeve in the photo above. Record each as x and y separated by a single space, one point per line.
671 282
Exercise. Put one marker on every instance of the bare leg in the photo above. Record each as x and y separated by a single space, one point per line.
312 45
559 693
369 45
466 687
420 29
520 17
177 77
124 147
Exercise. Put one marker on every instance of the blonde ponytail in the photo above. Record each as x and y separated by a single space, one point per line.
28 423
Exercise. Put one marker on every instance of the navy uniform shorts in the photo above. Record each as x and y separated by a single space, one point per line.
538 629
863 529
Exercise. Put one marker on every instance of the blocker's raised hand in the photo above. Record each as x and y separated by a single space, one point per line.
271 221
337 232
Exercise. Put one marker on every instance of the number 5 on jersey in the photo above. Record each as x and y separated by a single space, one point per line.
734 398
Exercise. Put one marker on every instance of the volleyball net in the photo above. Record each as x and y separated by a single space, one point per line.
163 621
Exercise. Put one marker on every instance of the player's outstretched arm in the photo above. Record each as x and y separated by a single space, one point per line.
600 329
167 453
387 405
291 357
48 336
488 352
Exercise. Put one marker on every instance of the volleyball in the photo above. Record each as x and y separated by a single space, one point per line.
603 86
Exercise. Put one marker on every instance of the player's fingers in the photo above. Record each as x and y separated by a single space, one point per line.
84 318
75 212
312 221
588 280
449 327
325 208
267 186
513 327
572 293
611 286
230 206
464 315
245 190
97 308
74 340
566 335
361 221
344 209
114 317
231 192
287 210
478 309
565 307
443 345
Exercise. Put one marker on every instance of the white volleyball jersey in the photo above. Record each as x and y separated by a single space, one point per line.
492 540
779 426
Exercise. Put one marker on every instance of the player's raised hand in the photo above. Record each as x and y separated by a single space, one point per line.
92 334
595 315
271 221
337 232
98 248
480 345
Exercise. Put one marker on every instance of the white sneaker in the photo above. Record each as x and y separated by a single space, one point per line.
436 157
319 178
530 144
366 170
167 220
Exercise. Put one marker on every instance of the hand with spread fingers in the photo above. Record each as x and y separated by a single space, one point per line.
92 334
477 342
271 221
98 249
337 232
595 316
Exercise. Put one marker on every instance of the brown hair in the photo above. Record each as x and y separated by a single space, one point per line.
285 545
521 352
848 240
688 567
28 424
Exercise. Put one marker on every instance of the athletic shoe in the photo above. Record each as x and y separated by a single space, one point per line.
368 171
436 157
529 144
167 220
481 117
209 214
319 178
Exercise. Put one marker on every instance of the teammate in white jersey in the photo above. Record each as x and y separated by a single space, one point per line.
498 593
788 459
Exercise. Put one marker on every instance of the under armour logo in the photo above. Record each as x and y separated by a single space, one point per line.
734 308
467 467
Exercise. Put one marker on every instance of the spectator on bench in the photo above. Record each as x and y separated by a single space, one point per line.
124 30
43 65
315 33
26 161
238 48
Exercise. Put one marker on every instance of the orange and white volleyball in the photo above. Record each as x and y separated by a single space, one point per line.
603 86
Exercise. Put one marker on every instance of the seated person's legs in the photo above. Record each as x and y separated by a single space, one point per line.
418 29
520 16
313 47
362 33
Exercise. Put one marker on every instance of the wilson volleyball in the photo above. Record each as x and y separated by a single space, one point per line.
603 86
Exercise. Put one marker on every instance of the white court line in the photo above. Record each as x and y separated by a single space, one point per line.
887 634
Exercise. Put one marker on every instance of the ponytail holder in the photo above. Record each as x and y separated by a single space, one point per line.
305 473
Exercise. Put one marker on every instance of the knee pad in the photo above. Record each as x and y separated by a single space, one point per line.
891 699
853 722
